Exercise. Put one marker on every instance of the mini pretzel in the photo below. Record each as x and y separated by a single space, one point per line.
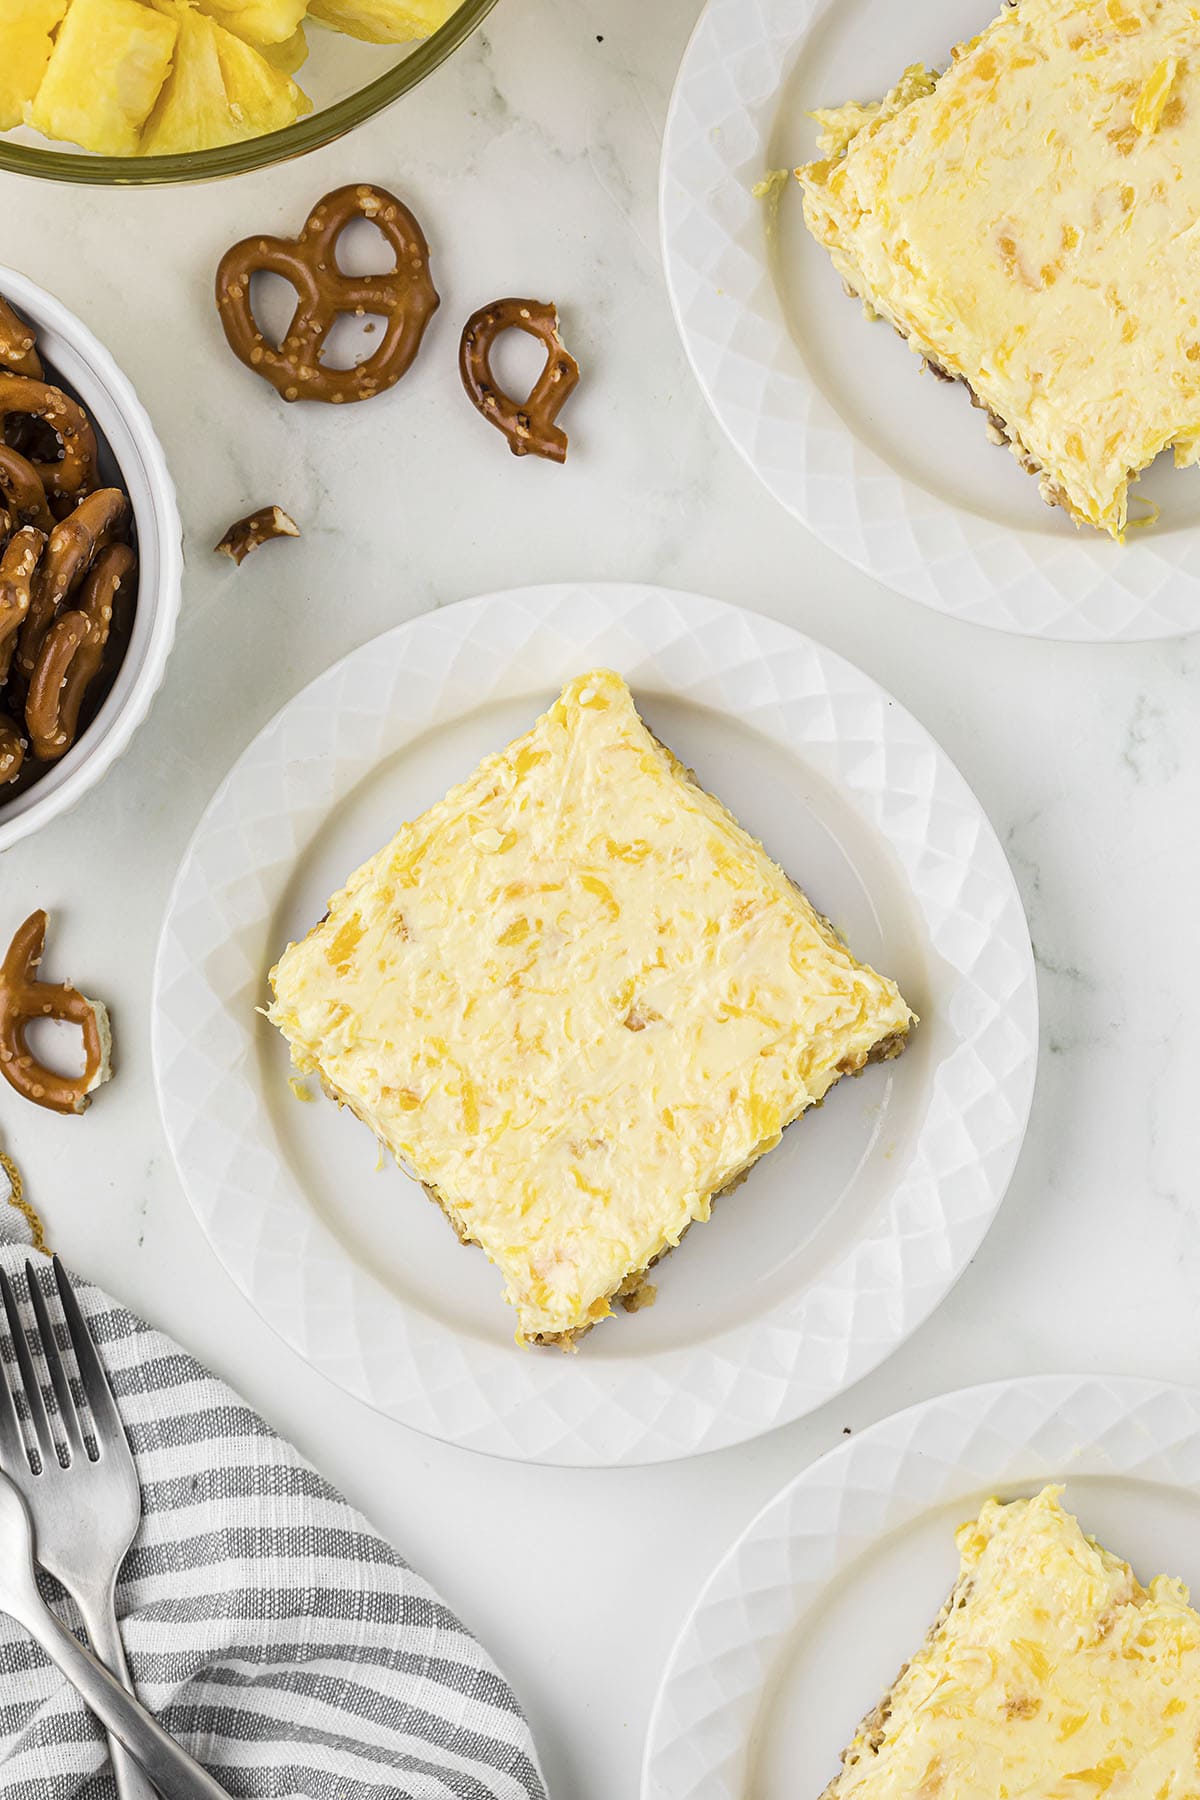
18 344
98 591
17 565
23 998
73 546
21 486
528 424
12 749
20 395
406 298
72 656
69 660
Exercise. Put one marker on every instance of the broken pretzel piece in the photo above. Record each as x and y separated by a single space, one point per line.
255 529
527 424
23 999
18 344
17 565
22 490
13 746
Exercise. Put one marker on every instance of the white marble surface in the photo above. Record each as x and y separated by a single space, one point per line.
532 161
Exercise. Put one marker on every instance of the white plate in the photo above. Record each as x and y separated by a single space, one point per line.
808 1620
844 1238
892 469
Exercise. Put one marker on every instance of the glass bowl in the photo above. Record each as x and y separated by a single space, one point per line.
347 81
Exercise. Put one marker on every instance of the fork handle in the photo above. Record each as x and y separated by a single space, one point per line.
100 1622
167 1763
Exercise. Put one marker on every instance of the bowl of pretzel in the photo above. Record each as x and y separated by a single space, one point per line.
91 559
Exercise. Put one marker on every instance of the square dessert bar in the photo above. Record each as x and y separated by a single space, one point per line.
1030 222
576 1000
1052 1672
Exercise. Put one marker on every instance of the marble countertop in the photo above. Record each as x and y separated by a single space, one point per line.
532 161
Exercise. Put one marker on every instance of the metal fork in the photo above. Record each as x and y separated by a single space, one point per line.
88 1510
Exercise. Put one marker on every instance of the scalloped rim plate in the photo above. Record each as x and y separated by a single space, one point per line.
732 298
807 1619
896 843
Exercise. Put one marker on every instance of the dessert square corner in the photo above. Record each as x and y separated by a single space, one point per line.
1029 220
1050 1671
577 1001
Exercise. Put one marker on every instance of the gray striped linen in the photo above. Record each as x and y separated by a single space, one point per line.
286 1645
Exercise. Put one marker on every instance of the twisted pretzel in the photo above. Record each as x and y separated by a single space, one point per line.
23 397
12 749
24 495
17 565
72 548
406 298
18 344
73 655
527 424
23 998
70 658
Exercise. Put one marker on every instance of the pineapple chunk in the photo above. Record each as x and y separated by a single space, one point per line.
383 21
219 91
289 56
258 21
193 111
108 64
261 98
25 46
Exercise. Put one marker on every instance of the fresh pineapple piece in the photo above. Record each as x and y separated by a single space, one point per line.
260 22
289 56
261 98
108 64
383 21
25 46
193 111
219 91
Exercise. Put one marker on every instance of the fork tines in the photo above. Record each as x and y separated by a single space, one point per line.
93 1380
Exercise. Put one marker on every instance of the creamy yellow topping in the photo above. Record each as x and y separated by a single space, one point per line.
1054 1676
576 999
1031 222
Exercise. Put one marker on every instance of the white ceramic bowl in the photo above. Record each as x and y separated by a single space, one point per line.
130 452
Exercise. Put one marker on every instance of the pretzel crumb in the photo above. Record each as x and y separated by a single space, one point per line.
255 529
17 1200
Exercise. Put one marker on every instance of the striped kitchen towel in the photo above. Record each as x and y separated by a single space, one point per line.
286 1645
